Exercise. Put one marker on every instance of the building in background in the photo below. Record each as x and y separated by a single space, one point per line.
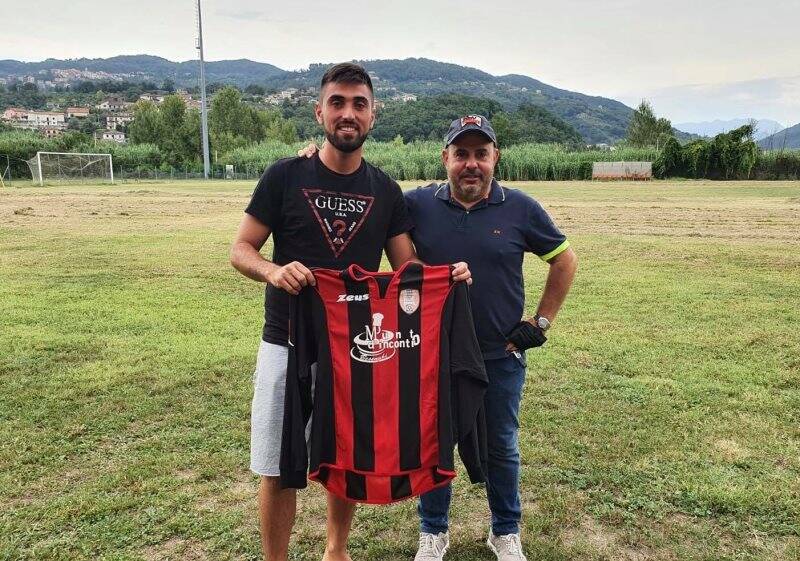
118 120
77 112
114 136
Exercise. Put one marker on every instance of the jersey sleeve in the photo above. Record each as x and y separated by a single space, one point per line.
400 220
298 398
468 373
542 237
267 200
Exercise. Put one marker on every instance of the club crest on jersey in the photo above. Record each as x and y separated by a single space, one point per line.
409 300
340 215
375 344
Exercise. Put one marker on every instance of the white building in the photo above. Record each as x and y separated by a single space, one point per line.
113 104
115 136
39 119
118 120
79 112
153 97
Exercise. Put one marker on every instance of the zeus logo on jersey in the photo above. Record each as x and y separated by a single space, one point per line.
353 297
376 345
339 215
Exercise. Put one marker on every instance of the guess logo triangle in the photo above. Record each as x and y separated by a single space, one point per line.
340 215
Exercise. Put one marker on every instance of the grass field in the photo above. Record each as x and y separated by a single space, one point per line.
661 421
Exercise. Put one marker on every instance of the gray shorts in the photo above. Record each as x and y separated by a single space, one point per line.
266 419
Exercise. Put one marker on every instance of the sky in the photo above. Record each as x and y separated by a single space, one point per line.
695 60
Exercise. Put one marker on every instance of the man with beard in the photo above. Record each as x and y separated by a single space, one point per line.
329 211
473 218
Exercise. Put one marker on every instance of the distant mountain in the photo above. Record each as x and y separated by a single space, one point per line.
597 119
764 127
785 139
148 67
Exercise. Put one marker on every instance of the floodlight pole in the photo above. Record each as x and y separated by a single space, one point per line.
203 105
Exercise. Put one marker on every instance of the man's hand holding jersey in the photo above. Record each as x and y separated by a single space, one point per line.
291 277
294 276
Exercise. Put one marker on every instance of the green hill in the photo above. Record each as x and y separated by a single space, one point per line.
597 119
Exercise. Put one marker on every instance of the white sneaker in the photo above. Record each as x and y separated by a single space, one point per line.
432 547
507 548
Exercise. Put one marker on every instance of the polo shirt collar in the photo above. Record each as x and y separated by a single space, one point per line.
496 193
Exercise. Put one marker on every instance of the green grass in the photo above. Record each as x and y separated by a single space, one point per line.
661 420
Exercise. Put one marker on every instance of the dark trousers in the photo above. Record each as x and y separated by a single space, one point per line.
506 377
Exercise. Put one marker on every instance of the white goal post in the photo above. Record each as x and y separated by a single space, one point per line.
71 166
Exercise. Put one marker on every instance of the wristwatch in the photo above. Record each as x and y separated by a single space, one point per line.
541 322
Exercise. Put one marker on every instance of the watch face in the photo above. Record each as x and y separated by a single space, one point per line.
543 323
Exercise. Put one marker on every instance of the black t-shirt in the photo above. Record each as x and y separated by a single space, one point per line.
324 219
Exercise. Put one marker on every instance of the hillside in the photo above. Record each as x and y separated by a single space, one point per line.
785 139
147 67
597 119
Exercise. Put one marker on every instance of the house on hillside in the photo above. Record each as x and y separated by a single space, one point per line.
51 132
114 136
113 104
113 122
77 112
41 119
154 97
15 114
188 100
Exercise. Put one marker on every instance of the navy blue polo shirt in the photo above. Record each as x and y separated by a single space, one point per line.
492 238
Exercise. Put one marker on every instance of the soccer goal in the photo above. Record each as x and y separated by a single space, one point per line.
69 166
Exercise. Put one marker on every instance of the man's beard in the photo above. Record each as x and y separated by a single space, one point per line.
470 193
346 146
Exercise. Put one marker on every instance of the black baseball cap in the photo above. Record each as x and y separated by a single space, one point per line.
468 123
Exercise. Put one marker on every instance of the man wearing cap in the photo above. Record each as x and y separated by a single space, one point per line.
472 218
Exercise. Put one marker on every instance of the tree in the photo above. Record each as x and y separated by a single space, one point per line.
146 127
86 86
502 128
233 124
168 85
531 123
254 89
645 129
172 113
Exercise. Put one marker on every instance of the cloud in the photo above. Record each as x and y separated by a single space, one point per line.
251 16
775 98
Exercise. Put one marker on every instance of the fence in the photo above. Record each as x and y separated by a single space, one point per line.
622 170
147 173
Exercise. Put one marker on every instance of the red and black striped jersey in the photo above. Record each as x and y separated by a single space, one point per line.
399 381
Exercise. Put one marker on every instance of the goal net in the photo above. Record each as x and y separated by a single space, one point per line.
66 166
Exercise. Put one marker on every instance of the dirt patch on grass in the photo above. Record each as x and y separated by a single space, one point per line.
175 549
240 493
186 474
590 532
730 450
